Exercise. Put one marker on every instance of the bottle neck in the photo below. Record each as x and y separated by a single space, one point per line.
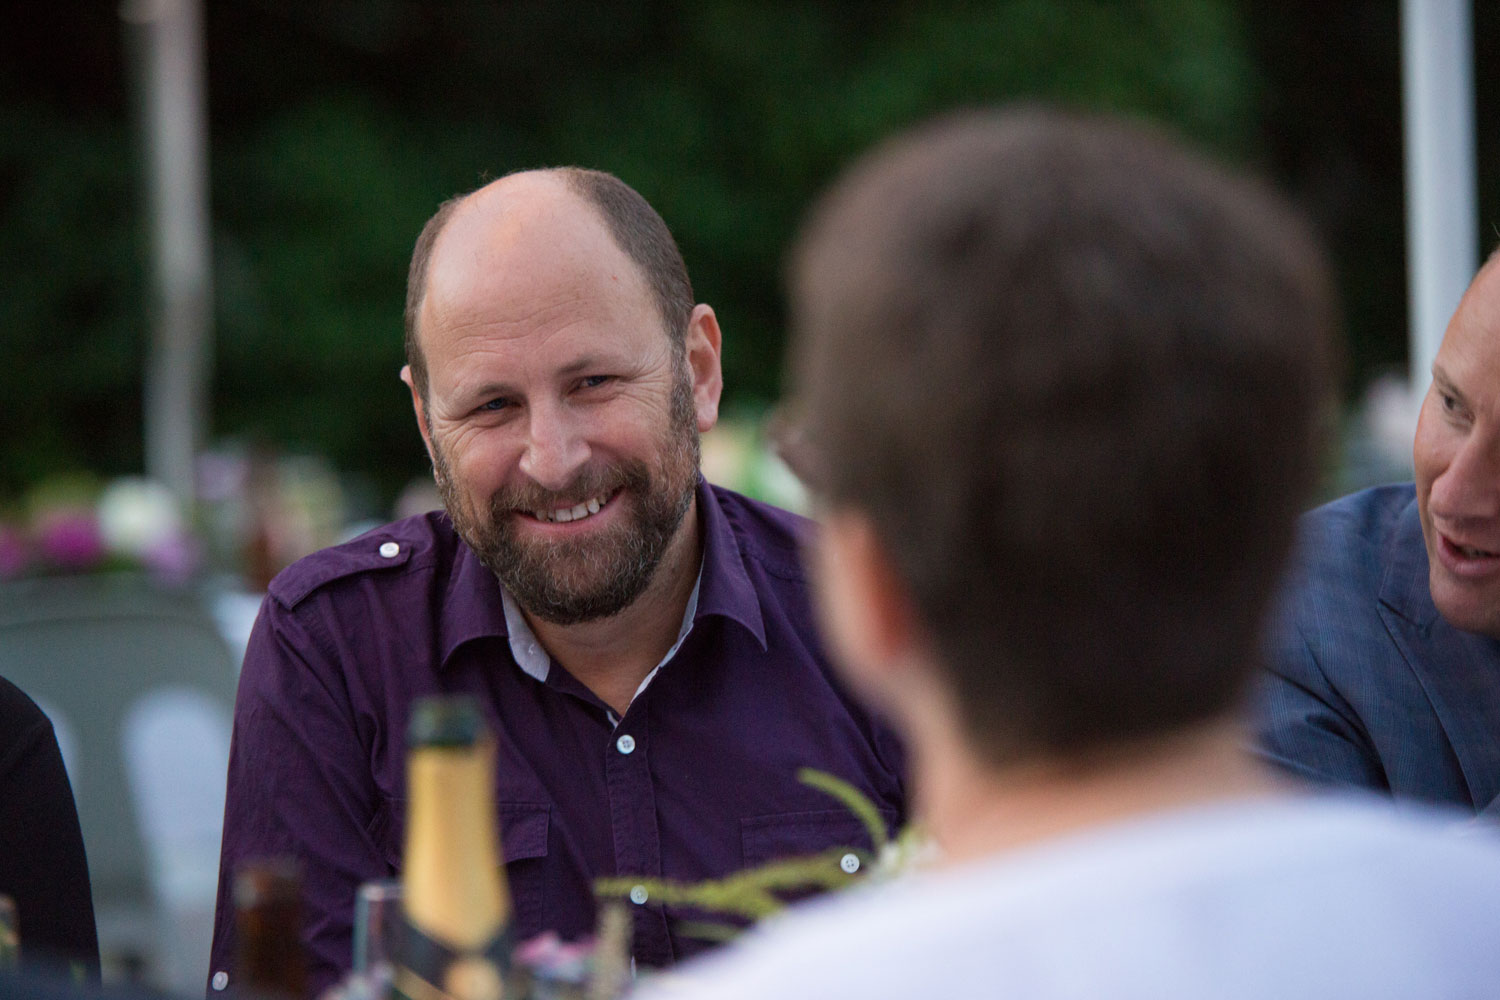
452 882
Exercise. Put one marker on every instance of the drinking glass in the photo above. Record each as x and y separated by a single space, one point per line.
377 919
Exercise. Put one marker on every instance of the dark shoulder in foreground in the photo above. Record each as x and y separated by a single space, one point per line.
770 535
18 713
412 543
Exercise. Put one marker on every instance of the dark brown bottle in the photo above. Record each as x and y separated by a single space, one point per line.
269 958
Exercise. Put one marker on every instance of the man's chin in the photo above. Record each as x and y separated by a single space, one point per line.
553 591
1465 607
574 609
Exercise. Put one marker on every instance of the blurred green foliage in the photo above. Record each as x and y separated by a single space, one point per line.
337 127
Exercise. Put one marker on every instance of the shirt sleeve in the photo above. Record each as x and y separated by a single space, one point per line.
42 864
1305 727
299 786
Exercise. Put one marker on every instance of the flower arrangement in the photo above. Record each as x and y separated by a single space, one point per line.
72 525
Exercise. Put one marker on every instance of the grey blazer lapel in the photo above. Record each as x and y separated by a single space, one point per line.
1459 671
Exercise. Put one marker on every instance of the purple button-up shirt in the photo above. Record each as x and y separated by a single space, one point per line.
697 780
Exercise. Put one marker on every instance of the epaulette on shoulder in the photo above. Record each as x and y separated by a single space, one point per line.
374 552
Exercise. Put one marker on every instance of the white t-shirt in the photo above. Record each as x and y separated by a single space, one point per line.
1294 898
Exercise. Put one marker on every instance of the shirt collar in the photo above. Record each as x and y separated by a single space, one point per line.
1404 587
472 607
534 660
475 604
727 590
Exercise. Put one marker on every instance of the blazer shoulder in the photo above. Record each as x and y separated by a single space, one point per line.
1348 538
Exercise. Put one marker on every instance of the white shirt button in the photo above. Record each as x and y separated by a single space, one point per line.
850 863
389 550
626 744
638 895
221 980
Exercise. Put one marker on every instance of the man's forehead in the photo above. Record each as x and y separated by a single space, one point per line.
524 237
523 215
1470 351
1478 316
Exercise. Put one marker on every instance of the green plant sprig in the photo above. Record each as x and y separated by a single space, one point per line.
853 799
751 894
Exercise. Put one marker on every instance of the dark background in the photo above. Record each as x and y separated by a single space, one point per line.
336 127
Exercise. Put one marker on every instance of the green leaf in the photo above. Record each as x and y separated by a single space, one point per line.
852 798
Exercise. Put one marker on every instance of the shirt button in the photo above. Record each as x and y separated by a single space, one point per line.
389 550
221 980
850 863
638 895
626 744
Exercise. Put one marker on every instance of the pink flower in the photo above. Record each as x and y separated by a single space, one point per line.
69 539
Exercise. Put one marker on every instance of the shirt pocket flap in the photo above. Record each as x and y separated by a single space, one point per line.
764 839
523 830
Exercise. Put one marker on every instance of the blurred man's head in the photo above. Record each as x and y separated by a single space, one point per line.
1457 461
560 375
1060 383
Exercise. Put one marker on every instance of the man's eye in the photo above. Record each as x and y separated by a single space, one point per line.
495 404
1450 402
594 381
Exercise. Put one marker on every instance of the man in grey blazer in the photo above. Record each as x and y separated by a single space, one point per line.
1385 662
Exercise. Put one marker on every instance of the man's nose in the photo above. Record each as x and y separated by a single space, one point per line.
556 449
1470 486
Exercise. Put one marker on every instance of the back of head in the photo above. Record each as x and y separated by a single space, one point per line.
1074 375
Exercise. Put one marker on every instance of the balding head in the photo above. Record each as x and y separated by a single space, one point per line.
633 225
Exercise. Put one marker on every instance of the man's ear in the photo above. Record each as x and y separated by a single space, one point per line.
702 348
418 408
866 609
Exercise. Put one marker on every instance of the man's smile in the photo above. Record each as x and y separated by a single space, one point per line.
576 512
1466 560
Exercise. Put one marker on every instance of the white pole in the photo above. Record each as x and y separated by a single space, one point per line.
1442 229
177 369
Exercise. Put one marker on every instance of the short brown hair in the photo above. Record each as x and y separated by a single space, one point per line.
1076 376
637 230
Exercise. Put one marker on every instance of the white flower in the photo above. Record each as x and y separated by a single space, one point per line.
138 516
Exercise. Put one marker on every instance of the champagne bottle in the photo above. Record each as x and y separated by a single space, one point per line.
456 942
269 961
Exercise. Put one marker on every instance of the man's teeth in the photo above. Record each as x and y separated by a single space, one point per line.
565 514
1471 553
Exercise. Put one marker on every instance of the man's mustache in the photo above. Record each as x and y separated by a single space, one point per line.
595 483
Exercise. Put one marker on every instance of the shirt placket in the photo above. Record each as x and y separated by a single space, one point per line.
637 841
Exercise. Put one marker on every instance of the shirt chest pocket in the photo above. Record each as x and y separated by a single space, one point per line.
524 828
764 839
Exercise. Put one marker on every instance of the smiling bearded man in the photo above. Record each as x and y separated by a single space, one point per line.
641 641
567 582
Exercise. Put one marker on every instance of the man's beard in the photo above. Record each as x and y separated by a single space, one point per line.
577 581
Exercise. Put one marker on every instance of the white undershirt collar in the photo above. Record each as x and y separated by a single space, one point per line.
536 662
